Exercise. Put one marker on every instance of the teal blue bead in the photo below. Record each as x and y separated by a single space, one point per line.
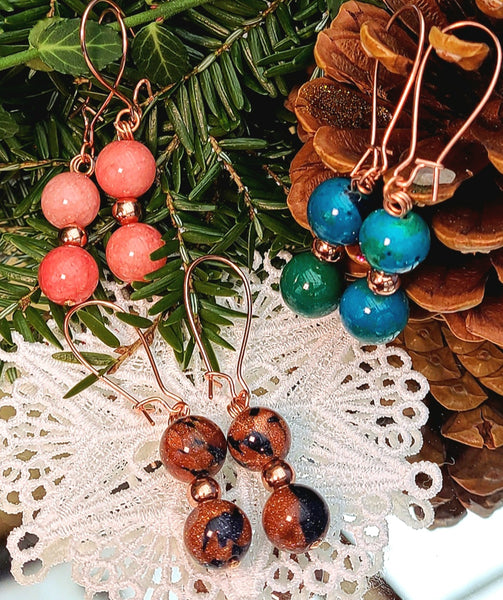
394 244
370 318
311 287
332 211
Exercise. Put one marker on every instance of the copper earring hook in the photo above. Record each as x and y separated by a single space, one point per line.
398 202
133 109
366 181
178 409
240 400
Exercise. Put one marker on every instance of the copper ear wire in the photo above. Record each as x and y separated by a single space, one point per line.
366 179
240 400
177 410
398 202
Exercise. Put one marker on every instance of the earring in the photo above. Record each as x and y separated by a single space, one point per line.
295 517
217 533
125 169
395 240
70 201
311 283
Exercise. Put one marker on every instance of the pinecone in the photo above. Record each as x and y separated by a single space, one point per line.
457 298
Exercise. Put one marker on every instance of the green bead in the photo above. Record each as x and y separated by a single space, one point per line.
311 287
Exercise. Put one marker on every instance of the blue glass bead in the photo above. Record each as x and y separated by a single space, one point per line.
370 318
394 244
332 211
311 287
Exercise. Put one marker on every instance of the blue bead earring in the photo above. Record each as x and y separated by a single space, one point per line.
312 283
395 240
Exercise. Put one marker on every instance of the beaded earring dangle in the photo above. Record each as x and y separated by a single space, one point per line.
217 533
395 240
312 283
125 169
295 517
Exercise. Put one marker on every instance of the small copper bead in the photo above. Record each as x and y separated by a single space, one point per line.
295 518
126 211
276 473
193 447
203 489
256 436
326 252
217 534
73 236
383 284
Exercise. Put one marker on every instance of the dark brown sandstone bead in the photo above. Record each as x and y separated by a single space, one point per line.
192 447
295 518
217 534
256 436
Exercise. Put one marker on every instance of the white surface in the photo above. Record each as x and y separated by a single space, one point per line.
463 562
56 586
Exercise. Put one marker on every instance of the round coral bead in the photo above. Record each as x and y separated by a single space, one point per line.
128 251
68 275
125 169
70 199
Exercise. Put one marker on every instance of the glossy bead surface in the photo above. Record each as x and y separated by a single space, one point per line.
310 287
394 244
125 169
332 211
203 489
256 435
73 236
128 251
68 275
217 534
295 518
70 199
277 473
192 447
370 318
126 211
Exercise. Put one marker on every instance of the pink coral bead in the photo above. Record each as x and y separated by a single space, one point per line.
68 275
70 199
128 251
125 169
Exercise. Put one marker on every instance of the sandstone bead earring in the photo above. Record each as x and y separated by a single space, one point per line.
217 533
295 517
125 169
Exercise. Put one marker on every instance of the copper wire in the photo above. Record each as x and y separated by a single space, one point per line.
177 410
396 189
367 178
240 400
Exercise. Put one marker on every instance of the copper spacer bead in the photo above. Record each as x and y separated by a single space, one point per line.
73 236
383 284
126 211
326 252
277 473
203 489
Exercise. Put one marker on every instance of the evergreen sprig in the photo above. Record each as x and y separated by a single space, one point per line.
216 123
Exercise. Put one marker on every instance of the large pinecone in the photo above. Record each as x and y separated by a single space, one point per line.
457 309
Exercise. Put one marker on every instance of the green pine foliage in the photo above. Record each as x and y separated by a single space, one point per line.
217 126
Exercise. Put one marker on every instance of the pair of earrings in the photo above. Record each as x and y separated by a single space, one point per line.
217 533
125 169
393 240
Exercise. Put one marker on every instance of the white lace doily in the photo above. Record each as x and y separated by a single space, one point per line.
85 471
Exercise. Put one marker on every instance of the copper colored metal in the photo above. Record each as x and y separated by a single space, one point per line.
276 473
176 410
126 211
73 236
203 489
383 284
397 200
326 252
240 400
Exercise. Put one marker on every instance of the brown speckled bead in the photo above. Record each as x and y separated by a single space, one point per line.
217 534
256 436
295 518
192 447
